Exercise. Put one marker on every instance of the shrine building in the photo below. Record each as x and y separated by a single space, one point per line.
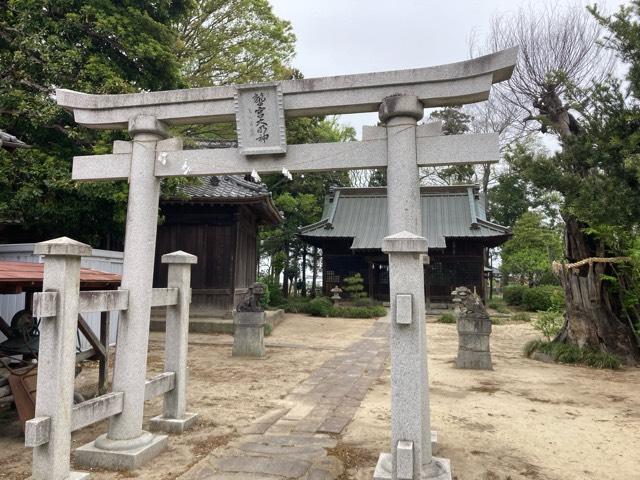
354 222
217 220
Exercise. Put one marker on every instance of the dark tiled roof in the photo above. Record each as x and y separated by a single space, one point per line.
224 187
9 142
230 189
360 214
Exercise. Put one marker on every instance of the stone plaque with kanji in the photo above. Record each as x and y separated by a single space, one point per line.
260 119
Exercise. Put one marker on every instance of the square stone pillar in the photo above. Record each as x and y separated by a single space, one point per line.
56 357
175 418
248 334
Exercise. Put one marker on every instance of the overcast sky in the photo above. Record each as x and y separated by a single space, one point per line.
337 37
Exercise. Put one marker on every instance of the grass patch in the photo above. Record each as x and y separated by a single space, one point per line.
498 305
521 317
358 312
566 353
323 307
268 329
447 318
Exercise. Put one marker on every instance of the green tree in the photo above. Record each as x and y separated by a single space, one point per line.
454 122
513 193
301 199
595 172
94 47
234 41
354 286
528 255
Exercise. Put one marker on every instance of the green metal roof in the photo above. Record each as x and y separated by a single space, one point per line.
360 214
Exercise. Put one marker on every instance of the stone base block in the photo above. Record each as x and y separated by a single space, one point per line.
440 469
248 342
76 476
173 425
91 456
79 476
474 360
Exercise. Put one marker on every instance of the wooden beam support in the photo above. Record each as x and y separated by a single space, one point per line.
86 330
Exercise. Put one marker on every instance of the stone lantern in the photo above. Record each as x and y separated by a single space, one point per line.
336 293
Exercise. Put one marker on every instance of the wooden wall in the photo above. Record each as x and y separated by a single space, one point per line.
223 237
460 264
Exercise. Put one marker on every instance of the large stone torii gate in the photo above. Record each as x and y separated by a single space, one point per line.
400 146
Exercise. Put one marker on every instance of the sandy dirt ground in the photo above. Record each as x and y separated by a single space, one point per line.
524 420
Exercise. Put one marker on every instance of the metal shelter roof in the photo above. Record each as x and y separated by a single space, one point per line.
360 214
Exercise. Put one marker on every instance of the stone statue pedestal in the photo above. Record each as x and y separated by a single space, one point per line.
474 331
248 335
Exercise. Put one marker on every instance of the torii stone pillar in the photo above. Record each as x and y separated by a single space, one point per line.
126 445
411 456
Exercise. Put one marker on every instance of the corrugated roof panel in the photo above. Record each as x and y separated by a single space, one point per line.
363 217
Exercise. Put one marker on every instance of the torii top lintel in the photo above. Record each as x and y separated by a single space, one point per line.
451 84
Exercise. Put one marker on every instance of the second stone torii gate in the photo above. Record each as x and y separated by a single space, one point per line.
259 110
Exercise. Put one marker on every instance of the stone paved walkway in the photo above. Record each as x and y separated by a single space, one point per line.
291 442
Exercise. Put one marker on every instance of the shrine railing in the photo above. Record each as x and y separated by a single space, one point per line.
58 306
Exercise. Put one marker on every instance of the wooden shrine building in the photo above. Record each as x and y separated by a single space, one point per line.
217 220
354 222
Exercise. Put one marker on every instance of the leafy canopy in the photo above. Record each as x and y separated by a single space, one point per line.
527 256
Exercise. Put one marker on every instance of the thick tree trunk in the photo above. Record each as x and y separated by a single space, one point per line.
285 277
314 277
303 292
593 314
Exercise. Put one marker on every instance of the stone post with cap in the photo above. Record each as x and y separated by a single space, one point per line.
57 355
175 418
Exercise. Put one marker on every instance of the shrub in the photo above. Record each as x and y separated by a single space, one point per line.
358 312
297 305
601 360
521 317
498 307
565 353
447 318
544 297
268 329
531 347
275 297
549 323
319 307
512 294
354 286
365 302
264 301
